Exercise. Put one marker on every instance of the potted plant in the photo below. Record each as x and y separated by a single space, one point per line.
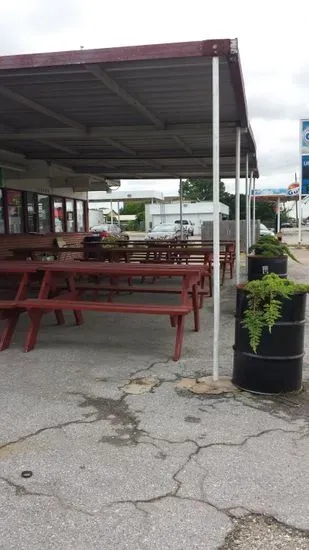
269 335
269 256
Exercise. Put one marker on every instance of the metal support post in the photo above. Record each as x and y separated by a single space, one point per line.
250 207
216 212
247 203
253 213
278 215
237 204
180 208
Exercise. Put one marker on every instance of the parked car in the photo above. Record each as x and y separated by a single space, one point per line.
286 225
265 231
164 231
188 226
105 230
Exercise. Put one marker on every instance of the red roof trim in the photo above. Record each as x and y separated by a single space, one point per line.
206 48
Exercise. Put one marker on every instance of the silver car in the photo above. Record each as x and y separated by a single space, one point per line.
265 231
164 231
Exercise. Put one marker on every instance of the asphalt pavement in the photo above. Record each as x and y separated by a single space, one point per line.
164 469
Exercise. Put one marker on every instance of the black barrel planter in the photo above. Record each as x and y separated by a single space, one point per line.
277 365
258 266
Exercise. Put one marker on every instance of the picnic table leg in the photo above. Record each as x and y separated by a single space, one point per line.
35 319
13 315
196 309
179 337
36 315
58 313
231 268
202 287
72 288
185 300
223 265
8 333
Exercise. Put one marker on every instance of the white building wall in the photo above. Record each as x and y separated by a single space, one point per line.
96 217
197 212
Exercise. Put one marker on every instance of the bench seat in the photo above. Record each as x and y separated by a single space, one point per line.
36 308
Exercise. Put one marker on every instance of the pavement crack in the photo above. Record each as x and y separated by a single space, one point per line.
59 426
151 366
246 439
21 490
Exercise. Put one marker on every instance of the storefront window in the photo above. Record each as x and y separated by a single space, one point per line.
70 215
44 214
58 215
32 213
15 211
80 216
2 227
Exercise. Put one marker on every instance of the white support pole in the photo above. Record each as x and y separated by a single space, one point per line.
180 208
247 203
278 215
300 215
300 209
216 212
118 214
112 215
237 204
250 206
253 214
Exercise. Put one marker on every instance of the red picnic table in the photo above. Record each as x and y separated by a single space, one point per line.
9 313
10 309
190 277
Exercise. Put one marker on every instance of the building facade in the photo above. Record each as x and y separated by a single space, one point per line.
196 212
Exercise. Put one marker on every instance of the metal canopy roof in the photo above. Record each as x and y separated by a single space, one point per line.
134 112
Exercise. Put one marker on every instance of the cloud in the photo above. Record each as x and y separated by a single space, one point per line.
37 25
273 47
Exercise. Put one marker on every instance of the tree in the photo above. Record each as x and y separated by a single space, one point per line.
230 201
137 209
195 189
199 189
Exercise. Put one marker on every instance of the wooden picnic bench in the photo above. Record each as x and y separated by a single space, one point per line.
9 309
71 300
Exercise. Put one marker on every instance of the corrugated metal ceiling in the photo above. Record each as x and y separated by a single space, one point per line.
143 112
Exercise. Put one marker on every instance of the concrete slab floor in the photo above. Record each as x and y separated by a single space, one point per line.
165 469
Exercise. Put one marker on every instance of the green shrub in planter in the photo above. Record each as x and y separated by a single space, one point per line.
268 255
269 335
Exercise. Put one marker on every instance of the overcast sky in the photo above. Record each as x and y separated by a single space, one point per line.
273 43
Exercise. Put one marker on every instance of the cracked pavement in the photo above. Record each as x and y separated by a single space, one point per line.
164 469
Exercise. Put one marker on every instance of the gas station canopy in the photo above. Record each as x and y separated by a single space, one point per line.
134 112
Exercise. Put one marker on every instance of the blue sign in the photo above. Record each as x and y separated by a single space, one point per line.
304 156
305 174
305 137
269 192
291 191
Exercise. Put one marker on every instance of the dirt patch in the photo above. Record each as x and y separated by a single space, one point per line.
255 532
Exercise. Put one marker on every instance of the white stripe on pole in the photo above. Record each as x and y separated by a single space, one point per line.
253 214
237 204
180 208
216 212
247 203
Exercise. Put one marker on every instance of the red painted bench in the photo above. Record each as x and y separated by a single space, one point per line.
36 307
